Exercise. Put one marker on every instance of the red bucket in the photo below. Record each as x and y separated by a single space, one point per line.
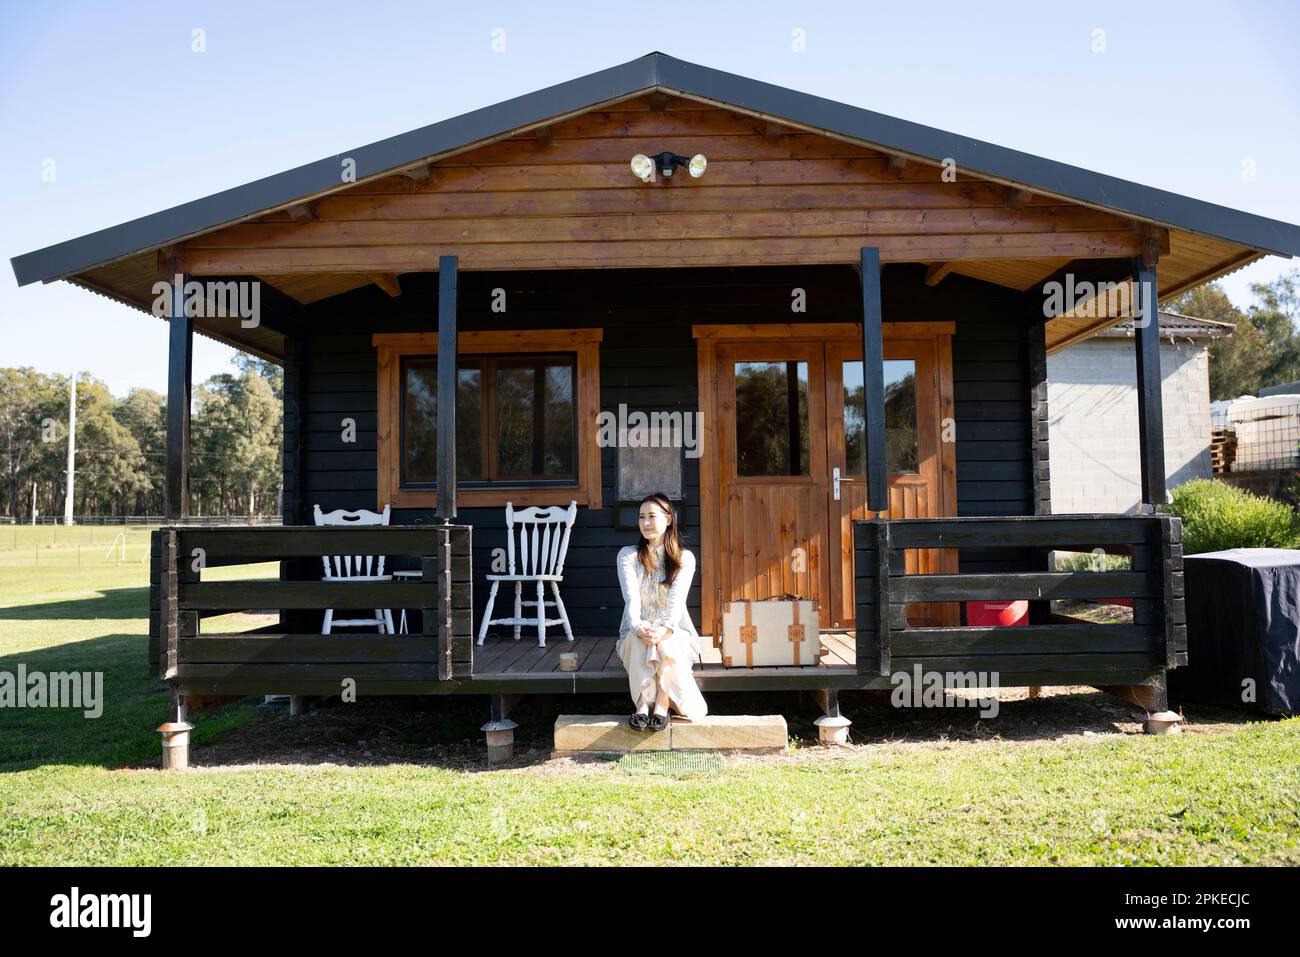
997 613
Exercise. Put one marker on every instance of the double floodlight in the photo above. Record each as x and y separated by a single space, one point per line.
643 167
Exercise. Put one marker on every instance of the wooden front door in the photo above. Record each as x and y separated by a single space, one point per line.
918 375
772 447
785 412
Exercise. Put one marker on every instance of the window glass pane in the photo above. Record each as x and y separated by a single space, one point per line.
420 422
771 418
536 426
469 424
560 437
900 417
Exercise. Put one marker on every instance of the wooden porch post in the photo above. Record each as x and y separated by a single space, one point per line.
446 477
180 335
873 380
1151 422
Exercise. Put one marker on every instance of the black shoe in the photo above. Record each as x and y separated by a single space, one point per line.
638 721
658 722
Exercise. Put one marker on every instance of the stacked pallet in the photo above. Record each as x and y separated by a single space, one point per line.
1223 450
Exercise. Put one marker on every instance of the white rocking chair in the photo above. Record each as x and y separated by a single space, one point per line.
543 544
355 568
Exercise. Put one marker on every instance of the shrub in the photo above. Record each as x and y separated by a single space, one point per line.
1091 562
1217 516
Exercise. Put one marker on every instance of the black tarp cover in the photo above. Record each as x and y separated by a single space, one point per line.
1243 622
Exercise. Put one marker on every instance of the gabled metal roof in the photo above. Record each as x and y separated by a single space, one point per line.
657 71
1175 324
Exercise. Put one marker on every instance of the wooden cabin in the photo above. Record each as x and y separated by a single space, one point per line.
850 313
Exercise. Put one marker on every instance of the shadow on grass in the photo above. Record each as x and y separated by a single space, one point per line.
133 705
110 603
445 731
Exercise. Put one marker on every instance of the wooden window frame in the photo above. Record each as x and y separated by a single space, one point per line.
394 347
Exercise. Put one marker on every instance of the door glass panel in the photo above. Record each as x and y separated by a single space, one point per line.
772 418
900 417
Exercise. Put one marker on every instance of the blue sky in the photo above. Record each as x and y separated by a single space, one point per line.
135 121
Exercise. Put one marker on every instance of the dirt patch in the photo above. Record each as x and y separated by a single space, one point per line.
1097 612
445 731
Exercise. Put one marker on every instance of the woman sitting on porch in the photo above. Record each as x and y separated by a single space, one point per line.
657 639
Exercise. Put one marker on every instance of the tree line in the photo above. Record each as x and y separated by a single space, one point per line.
1264 349
121 444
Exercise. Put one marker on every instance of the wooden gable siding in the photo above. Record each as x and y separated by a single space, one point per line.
648 360
771 195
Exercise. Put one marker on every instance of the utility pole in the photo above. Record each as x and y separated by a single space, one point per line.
33 501
72 447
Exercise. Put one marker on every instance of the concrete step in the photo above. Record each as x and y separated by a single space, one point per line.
610 733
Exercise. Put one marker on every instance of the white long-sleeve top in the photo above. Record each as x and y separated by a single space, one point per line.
678 618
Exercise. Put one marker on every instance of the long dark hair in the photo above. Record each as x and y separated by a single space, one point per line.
672 540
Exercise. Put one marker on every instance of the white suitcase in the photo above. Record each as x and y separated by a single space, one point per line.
758 634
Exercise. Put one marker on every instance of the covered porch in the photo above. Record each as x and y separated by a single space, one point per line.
439 656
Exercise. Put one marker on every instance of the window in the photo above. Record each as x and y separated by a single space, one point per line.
516 419
526 411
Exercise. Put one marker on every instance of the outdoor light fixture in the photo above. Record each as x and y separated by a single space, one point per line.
643 167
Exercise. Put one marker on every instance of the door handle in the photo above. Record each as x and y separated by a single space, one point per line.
836 479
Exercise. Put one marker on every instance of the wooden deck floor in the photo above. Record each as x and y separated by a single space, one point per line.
507 657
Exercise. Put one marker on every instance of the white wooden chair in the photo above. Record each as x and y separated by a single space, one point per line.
355 568
543 544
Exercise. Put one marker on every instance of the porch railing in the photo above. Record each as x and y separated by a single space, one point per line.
1050 644
286 656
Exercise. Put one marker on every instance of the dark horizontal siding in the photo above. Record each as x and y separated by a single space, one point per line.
991 402
341 384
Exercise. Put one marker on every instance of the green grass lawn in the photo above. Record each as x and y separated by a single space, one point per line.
78 791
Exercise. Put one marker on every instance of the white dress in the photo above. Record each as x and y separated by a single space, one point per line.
648 600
